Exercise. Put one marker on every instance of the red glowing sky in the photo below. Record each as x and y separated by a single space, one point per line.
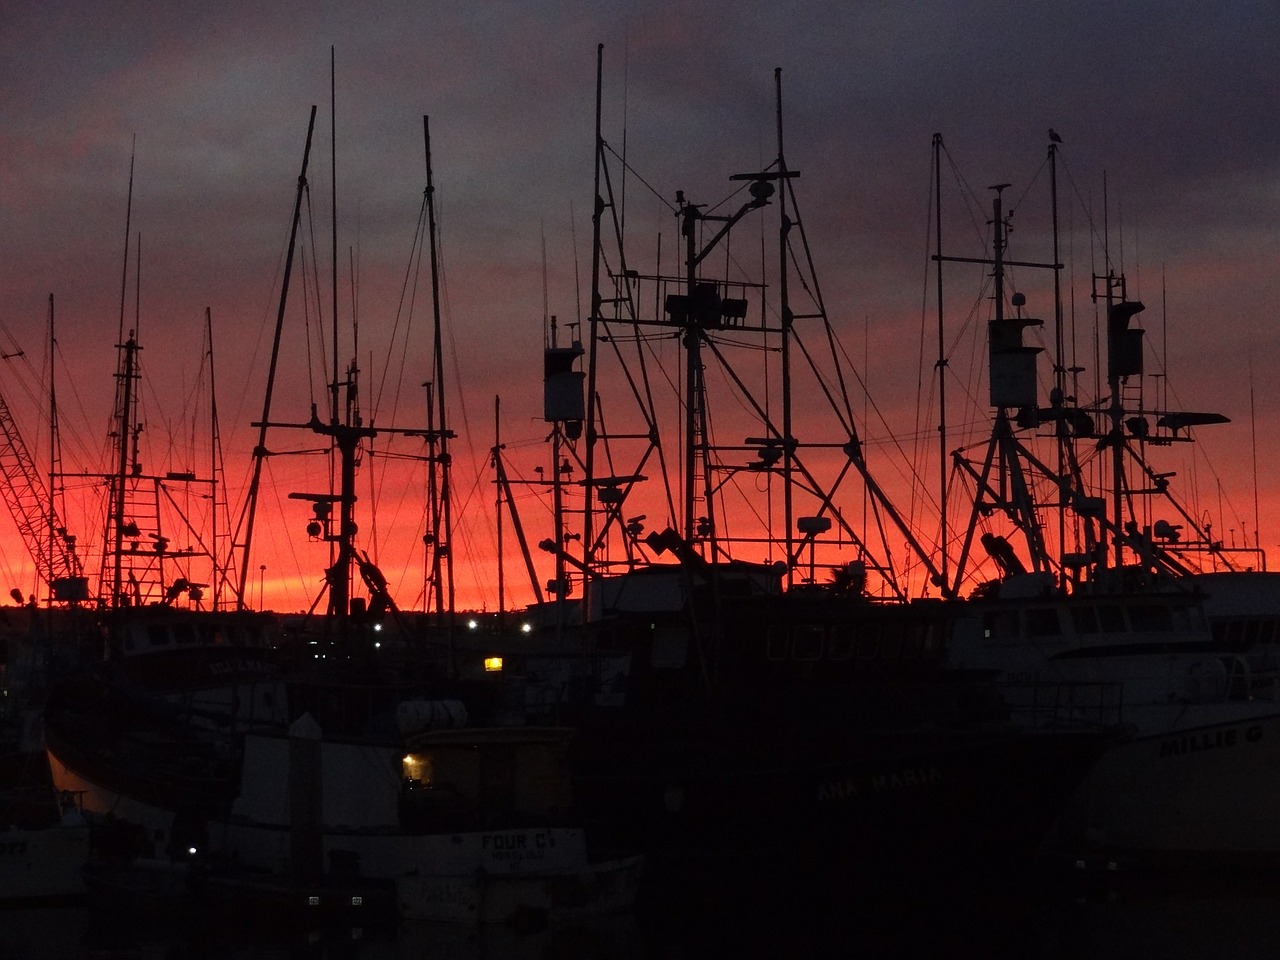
1173 119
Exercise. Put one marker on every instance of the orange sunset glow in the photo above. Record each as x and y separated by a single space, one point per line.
150 169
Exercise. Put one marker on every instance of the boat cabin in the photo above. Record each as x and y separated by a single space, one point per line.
483 778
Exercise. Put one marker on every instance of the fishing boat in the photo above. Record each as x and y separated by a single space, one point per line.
750 680
1090 596
462 823
505 875
378 761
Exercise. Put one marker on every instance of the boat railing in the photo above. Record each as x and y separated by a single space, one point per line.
1063 704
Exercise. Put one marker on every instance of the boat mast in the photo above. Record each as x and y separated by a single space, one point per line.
441 513
697 315
557 478
260 451
116 513
53 454
1002 482
334 385
1057 399
216 471
944 535
595 321
497 509
431 538
695 425
125 444
787 320
1011 388
344 442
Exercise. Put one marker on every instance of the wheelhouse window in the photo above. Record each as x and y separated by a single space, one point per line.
1002 625
777 643
891 641
1111 619
1150 617
1084 618
932 641
1252 631
869 641
1042 622
842 642
184 634
808 641
914 640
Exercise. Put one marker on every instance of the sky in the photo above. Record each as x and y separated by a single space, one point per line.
1170 139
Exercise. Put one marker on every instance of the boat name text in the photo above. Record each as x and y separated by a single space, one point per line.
850 788
1208 740
516 848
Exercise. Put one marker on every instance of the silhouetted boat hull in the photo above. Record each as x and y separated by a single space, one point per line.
1201 794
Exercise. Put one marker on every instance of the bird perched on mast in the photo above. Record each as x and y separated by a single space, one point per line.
1053 136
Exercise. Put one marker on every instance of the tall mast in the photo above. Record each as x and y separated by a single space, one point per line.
442 516
787 320
695 424
943 530
497 509
431 592
593 347
125 440
1058 397
116 512
333 225
221 561
260 450
344 445
128 216
53 451
697 315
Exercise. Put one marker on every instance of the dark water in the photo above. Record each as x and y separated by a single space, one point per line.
1093 916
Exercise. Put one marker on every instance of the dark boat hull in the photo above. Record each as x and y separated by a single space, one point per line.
862 800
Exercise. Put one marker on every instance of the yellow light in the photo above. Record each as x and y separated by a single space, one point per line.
416 767
492 664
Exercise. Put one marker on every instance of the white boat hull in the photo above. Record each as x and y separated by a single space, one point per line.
472 876
1203 792
507 897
